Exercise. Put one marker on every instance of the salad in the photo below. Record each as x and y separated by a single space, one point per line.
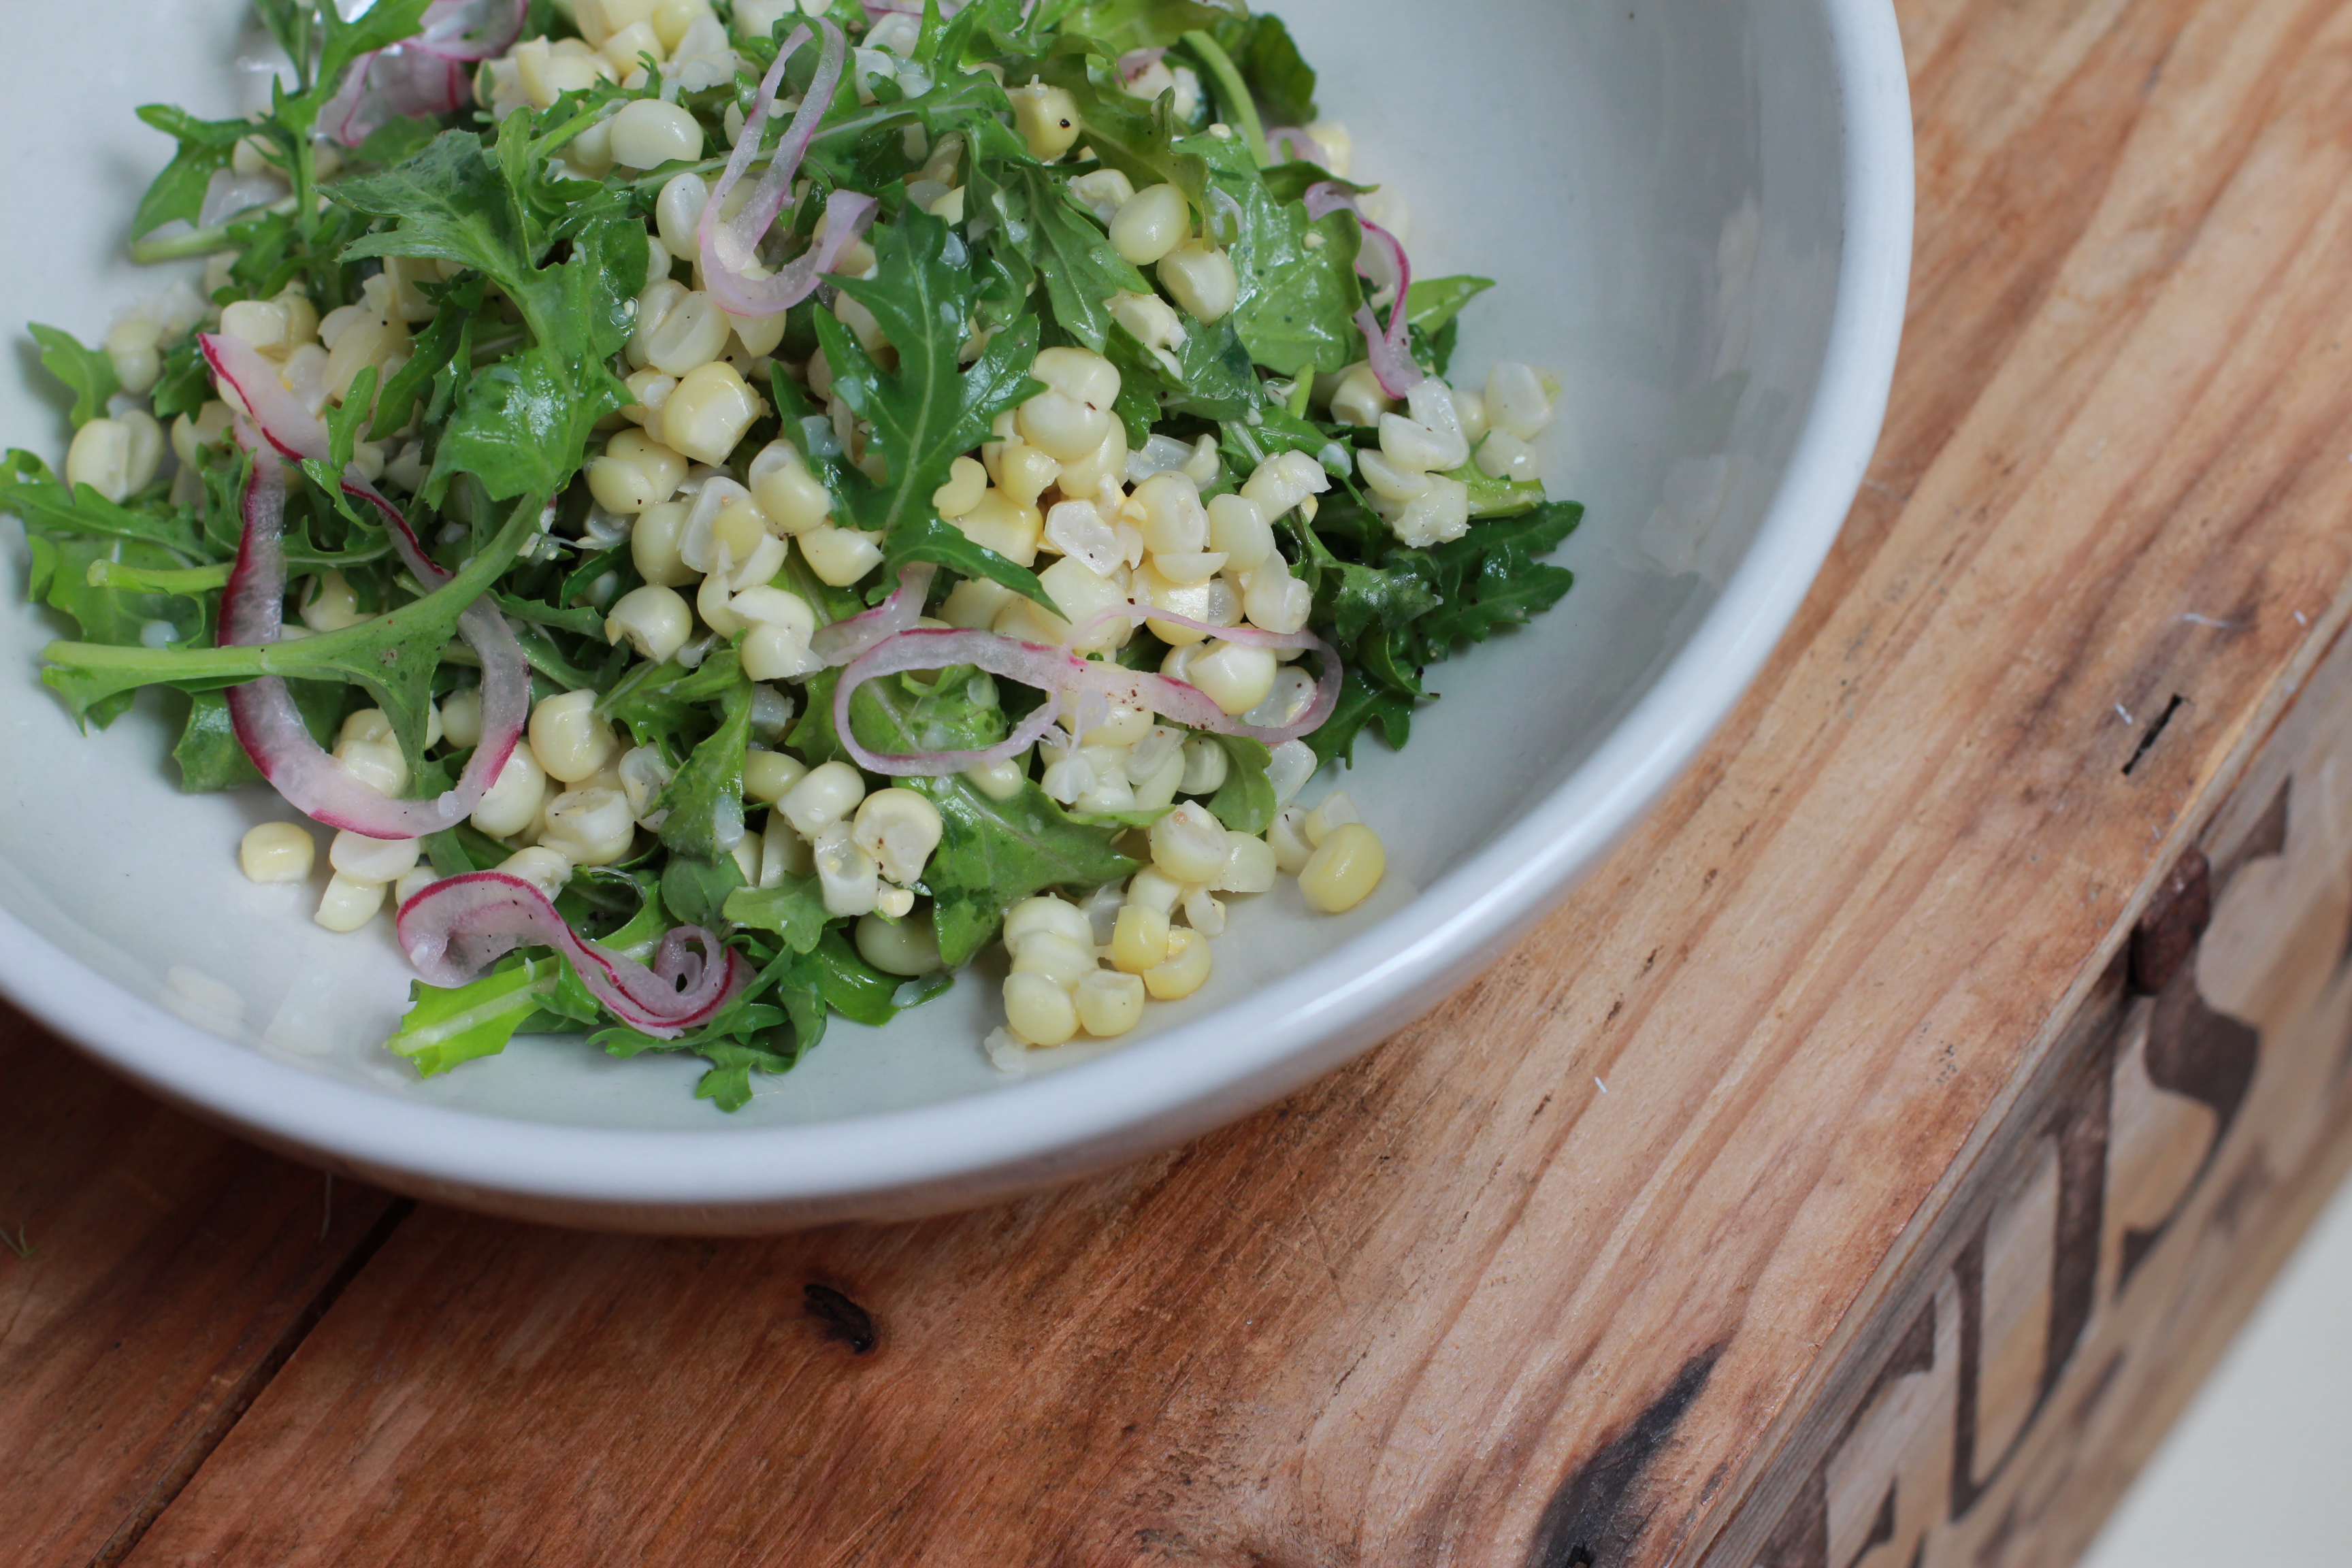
730 512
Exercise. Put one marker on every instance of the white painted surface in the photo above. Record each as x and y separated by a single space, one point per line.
2254 1475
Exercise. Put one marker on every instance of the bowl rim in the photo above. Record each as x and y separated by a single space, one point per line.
1204 1072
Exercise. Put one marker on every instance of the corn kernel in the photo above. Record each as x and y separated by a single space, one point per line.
1038 1011
1110 1004
1138 942
1185 970
1345 868
278 852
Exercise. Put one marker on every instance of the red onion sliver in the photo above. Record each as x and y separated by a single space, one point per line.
1061 674
252 610
271 727
425 76
301 435
844 641
731 248
1135 62
470 29
455 928
1390 351
1292 143
396 83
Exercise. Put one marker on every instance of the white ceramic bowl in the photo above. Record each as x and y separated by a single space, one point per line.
1699 213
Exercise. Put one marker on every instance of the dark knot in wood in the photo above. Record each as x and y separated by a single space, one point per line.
843 1319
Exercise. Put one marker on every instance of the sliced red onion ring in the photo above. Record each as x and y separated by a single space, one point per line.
455 929
267 724
1135 62
425 76
1390 351
470 29
299 434
844 642
1062 675
394 84
731 248
1292 143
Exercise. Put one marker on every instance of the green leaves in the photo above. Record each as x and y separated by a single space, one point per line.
793 910
1060 242
1121 27
669 705
1393 611
1140 140
521 427
392 656
445 1029
930 410
88 374
1245 802
204 149
1299 293
381 26
1268 61
992 854
705 801
995 854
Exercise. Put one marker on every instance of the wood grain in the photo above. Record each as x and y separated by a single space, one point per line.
1550 1278
1988 1404
167 1271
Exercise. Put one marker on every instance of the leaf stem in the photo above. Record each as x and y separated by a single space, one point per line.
136 667
194 580
1235 92
198 241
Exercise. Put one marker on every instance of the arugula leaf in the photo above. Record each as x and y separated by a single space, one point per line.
1497 498
1214 379
1299 292
88 374
61 579
1491 578
728 1084
1036 213
664 704
1432 303
992 854
381 26
1121 26
208 753
793 910
522 426
1268 59
211 758
396 141
394 656
697 890
1245 803
853 988
445 1029
1361 704
204 149
1140 140
705 801
1235 100
30 491
186 383
929 410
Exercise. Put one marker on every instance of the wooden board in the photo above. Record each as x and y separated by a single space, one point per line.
1749 1206
154 1275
